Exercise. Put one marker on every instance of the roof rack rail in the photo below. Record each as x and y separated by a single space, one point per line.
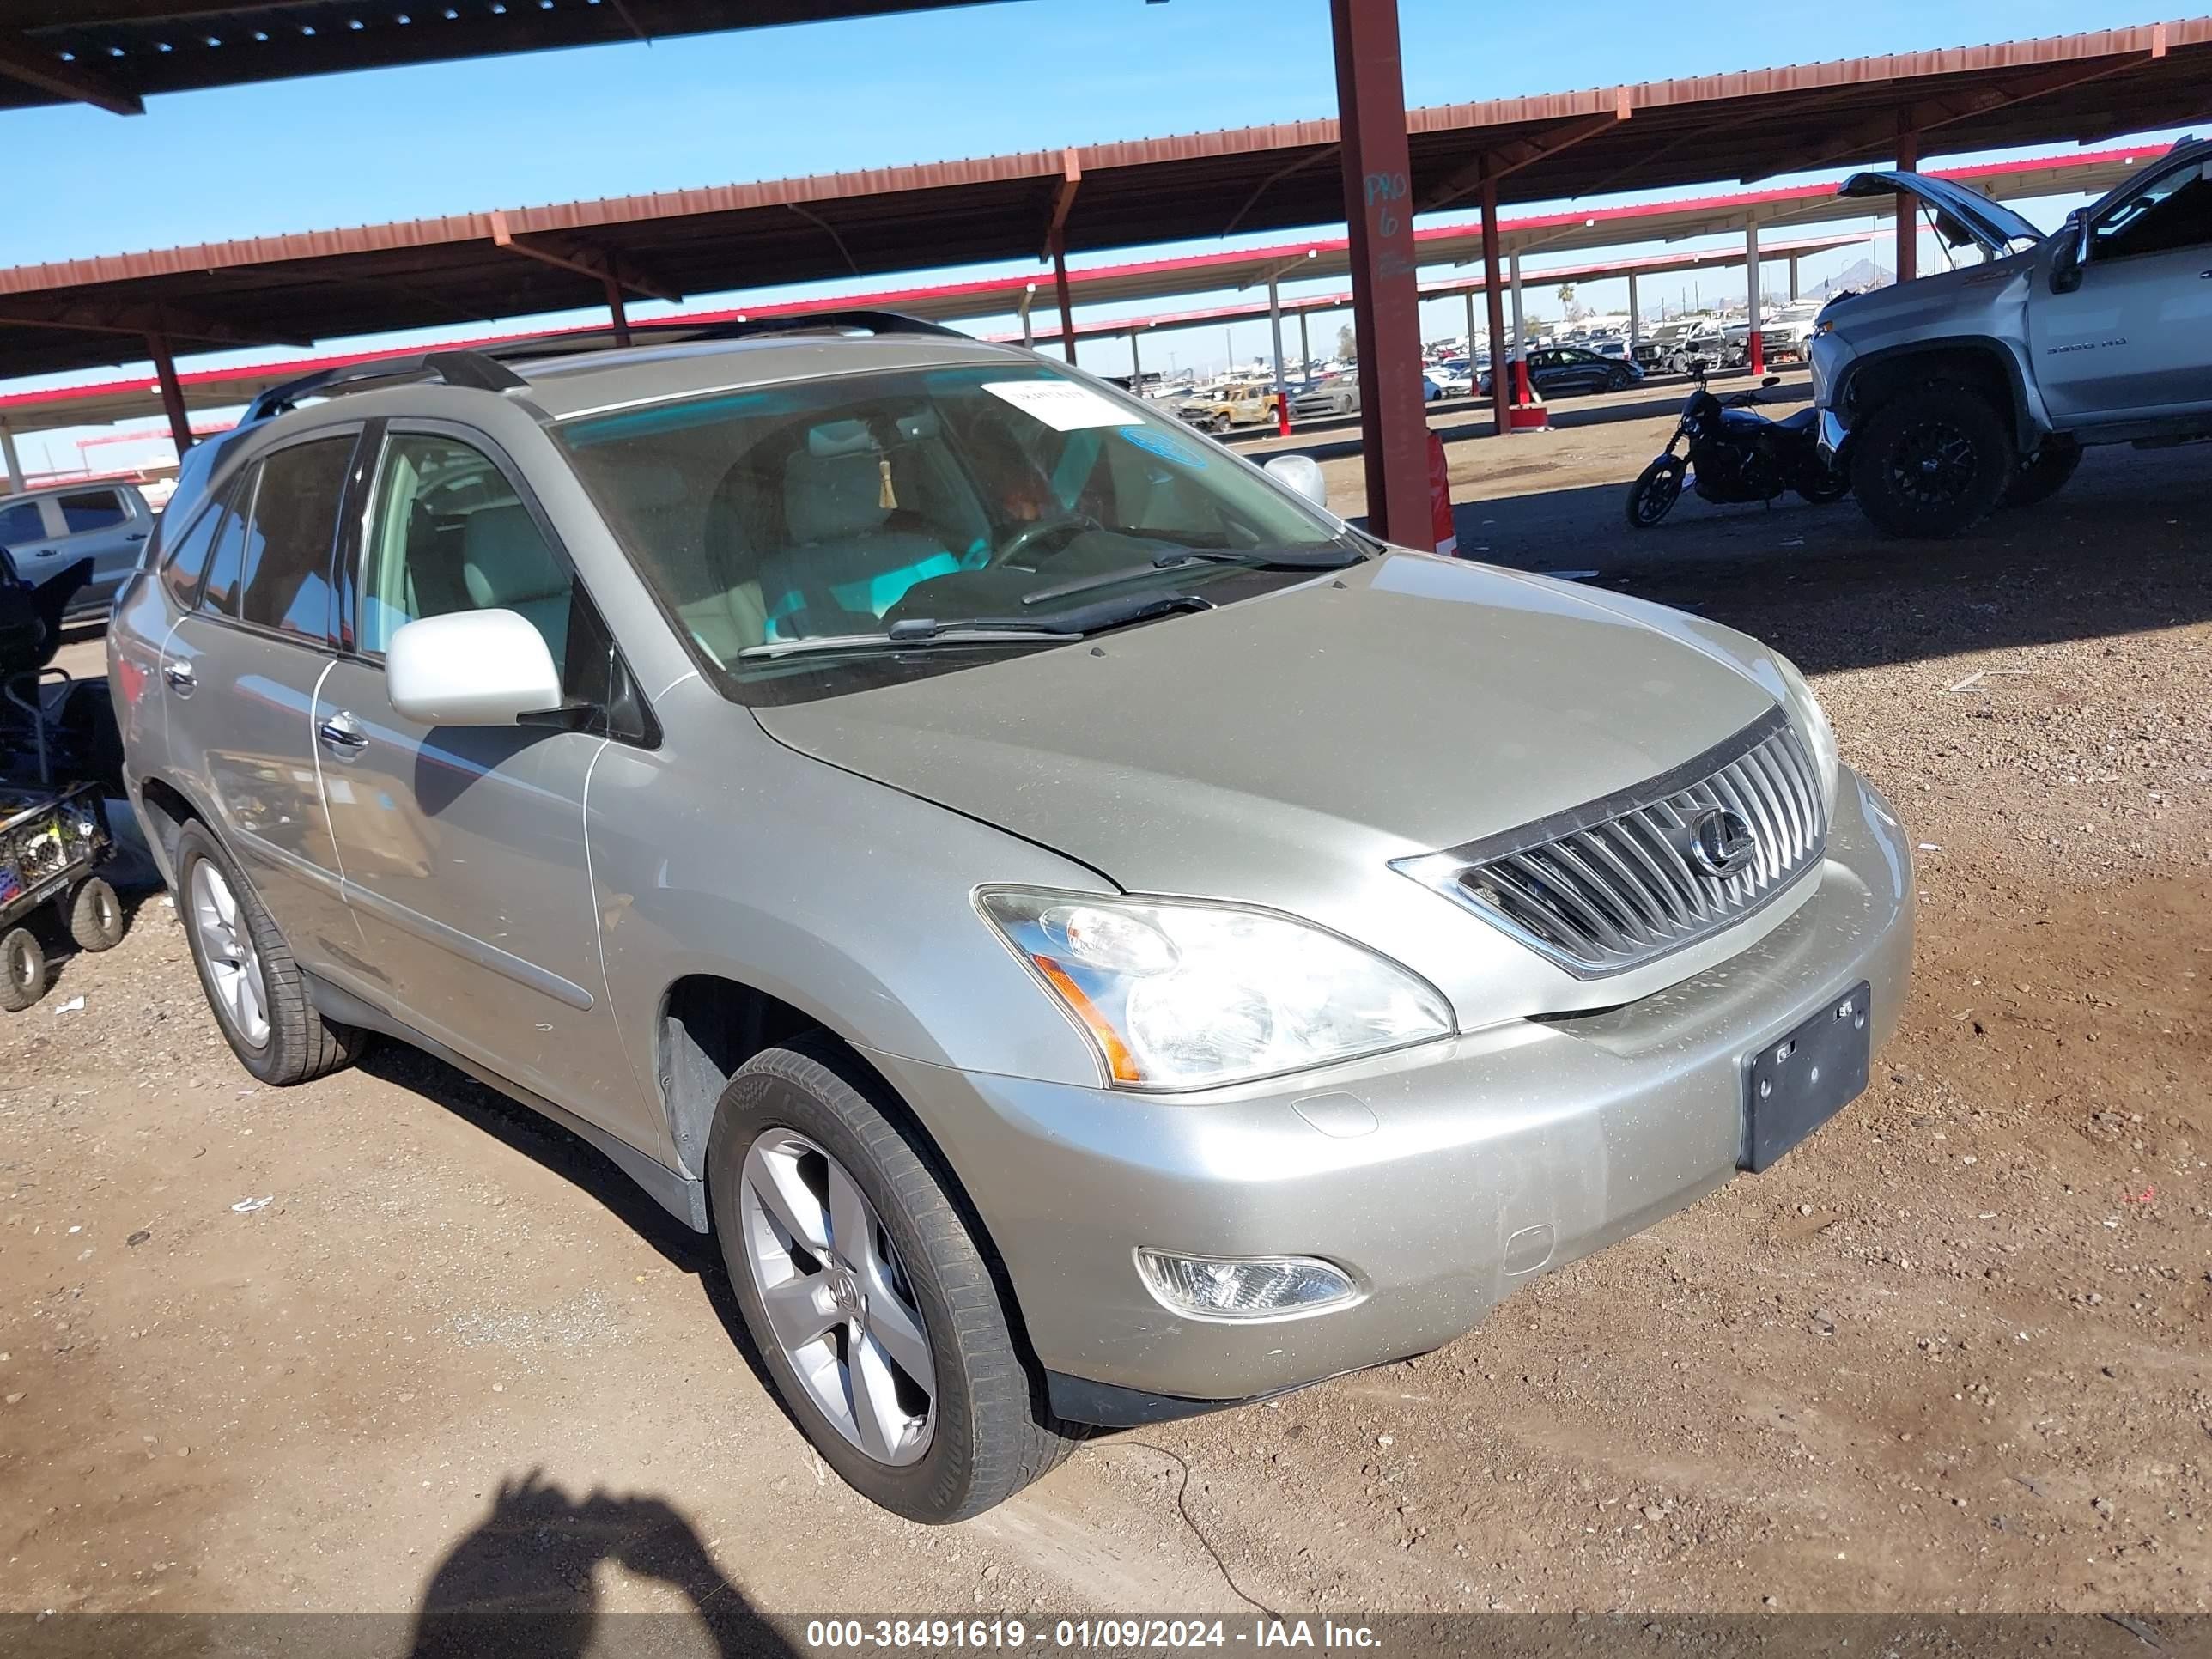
470 369
485 367
677 331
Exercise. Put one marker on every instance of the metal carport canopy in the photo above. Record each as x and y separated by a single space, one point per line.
116 53
473 268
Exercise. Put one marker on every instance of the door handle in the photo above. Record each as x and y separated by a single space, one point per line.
343 736
136 536
181 677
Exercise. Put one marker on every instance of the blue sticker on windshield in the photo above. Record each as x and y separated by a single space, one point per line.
1165 445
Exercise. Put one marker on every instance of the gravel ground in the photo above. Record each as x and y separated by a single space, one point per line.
1949 1354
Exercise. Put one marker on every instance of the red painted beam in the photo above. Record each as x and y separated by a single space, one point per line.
1378 204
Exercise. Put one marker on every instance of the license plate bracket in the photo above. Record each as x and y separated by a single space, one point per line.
1796 1083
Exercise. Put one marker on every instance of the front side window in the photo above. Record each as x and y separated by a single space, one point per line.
91 509
285 562
450 533
2173 211
877 508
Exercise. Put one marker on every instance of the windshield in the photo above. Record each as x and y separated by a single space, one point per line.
884 511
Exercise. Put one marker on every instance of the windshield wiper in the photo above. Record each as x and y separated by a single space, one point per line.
913 632
1284 558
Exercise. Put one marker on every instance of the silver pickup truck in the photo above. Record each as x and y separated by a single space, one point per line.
45 530
1978 386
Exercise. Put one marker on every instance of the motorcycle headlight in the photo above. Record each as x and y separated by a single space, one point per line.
1812 722
1176 994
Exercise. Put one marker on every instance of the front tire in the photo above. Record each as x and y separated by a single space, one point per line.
22 969
256 990
1655 492
1932 461
2039 476
856 1274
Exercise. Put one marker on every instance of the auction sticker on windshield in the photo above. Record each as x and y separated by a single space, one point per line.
1061 404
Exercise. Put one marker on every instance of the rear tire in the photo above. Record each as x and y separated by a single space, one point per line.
981 1432
95 919
1655 492
2044 474
1824 482
22 969
1932 461
298 1044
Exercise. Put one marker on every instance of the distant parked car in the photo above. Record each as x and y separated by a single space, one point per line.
1323 400
1557 370
45 530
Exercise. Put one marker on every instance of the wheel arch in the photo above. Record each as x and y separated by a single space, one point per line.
1976 361
164 810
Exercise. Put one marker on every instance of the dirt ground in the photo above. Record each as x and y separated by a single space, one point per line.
383 1343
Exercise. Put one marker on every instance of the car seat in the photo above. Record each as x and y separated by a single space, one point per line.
507 566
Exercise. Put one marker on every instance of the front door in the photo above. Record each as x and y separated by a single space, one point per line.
238 681
2133 340
463 848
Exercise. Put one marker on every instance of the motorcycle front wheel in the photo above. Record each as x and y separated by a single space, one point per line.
1655 492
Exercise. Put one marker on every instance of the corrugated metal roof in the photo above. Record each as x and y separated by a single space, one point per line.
330 283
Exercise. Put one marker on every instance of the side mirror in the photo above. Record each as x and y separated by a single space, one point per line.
1302 474
2072 253
471 668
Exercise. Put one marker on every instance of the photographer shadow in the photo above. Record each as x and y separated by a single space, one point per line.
524 1583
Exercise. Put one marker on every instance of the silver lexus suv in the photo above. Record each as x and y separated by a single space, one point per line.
1093 936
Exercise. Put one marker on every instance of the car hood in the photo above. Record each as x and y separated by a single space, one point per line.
1963 216
1410 704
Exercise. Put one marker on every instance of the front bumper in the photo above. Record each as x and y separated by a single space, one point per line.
1441 1176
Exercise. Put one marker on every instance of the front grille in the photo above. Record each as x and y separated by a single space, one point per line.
1623 881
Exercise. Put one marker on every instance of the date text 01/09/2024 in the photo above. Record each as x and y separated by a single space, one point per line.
1110 1634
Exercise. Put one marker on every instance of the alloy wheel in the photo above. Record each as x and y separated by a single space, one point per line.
1934 463
233 965
838 1301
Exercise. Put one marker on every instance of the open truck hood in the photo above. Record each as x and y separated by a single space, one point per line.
1963 216
1251 752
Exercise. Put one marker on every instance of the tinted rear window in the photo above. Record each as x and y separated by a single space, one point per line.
287 556
92 509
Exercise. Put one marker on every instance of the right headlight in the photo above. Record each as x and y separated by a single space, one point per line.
1176 994
1812 723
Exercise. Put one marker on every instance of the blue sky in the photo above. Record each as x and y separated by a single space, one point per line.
407 144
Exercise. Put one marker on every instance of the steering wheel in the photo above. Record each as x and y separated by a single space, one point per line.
1072 524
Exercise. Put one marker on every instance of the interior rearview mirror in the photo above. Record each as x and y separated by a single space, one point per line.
1302 474
471 668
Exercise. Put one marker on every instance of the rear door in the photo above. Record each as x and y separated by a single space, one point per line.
107 524
239 677
31 533
2132 340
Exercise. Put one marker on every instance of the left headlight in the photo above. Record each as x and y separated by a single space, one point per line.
1176 994
1812 726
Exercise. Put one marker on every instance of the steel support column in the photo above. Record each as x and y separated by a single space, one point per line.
1793 276
1635 318
1908 210
1469 297
1378 201
1275 322
1520 323
1754 343
172 394
17 481
618 311
1060 287
1305 349
1136 367
1494 294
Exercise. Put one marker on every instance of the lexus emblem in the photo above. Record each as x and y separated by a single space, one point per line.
1721 844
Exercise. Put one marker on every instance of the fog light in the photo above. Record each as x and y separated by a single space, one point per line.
1256 1287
